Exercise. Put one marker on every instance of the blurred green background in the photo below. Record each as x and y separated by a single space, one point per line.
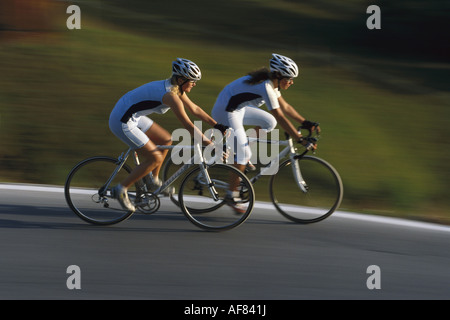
381 96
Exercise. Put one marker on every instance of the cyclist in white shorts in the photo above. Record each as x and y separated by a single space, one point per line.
239 103
129 123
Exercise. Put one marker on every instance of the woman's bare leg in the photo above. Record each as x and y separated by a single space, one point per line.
159 136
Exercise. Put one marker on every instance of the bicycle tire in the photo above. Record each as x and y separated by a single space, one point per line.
323 197
169 169
82 187
224 217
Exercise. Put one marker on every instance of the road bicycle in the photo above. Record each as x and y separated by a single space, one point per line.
88 191
304 189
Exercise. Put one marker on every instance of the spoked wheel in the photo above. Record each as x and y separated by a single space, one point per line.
318 196
208 213
169 169
89 197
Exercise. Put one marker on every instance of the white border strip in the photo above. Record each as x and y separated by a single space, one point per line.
375 218
269 206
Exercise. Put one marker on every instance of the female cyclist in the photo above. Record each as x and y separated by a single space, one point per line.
239 104
129 123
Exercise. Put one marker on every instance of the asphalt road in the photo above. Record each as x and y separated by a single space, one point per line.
164 256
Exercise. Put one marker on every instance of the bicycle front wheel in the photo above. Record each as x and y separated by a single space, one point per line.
169 169
319 196
210 213
89 197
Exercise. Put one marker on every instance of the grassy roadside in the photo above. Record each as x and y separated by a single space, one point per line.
386 138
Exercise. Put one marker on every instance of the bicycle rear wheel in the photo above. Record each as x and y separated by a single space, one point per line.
87 196
323 194
197 207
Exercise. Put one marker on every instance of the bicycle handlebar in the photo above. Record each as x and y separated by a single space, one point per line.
310 131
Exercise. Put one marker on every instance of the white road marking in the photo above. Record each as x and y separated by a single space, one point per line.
268 206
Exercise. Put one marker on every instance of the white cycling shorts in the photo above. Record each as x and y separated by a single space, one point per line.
132 132
251 116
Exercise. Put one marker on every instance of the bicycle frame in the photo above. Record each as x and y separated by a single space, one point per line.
203 165
121 161
290 149
197 157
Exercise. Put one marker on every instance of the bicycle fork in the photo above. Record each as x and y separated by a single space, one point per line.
301 183
203 166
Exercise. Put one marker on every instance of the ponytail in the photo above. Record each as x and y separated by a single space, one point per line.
261 75
175 88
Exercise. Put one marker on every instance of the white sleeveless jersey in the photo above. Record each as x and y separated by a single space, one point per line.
143 100
239 94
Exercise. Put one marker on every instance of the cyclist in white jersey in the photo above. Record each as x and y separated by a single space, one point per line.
129 123
239 103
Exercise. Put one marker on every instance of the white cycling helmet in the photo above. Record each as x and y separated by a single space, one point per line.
284 65
187 69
